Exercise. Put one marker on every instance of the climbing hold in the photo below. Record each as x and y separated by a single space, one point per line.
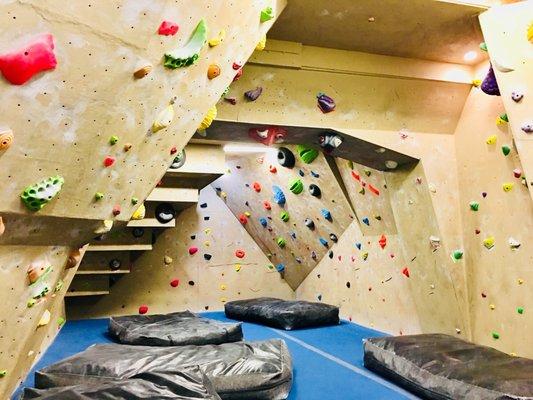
307 154
113 140
405 271
489 242
134 200
296 186
377 217
253 95
483 46
492 306
492 139
529 32
273 169
243 219
489 84
382 241
45 319
137 232
280 267
502 119
34 273
208 120
476 82
517 96
167 260
179 160
257 187
281 242
143 309
315 174
517 173
266 14
269 135
116 210
513 243
286 157
356 176
20 65
502 67
164 213
114 264
474 205
366 221
261 44
213 42
284 216
109 161
326 214
325 103
527 127
240 253
164 118
495 335
231 100
189 54
213 71
390 164
139 213
373 189
3 373
6 139
266 205
309 223
323 242
314 190
507 187
457 255
142 71
333 238
329 141
279 196
434 242
263 221
520 310
168 28
36 196
506 150
98 196
237 267
193 250
364 255
238 76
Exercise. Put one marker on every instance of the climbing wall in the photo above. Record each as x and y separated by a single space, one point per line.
92 102
497 226
281 229
192 266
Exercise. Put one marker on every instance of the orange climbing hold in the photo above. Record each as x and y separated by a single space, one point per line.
267 205
240 253
382 241
405 271
213 71
257 187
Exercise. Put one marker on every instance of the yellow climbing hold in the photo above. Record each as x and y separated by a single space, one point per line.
223 287
507 187
262 44
237 267
489 242
476 82
207 243
223 195
208 120
45 319
217 39
247 213
139 213
223 299
492 306
530 33
164 119
364 256
492 139
520 281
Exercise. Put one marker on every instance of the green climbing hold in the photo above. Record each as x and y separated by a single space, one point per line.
483 46
3 372
495 335
38 195
506 150
296 186
266 14
284 216
307 154
504 117
59 286
113 140
188 54
134 200
31 303
98 196
474 205
520 310
60 322
367 172
281 242
457 255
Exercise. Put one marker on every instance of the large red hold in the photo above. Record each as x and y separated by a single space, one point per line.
168 28
20 65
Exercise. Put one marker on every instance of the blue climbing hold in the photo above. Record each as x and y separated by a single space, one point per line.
279 196
323 242
280 267
358 245
326 214
366 221
263 222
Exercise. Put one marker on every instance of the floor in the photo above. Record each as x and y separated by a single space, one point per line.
328 362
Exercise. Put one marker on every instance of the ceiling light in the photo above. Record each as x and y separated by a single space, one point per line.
470 55
244 148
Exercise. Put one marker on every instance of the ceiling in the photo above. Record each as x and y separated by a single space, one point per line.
424 29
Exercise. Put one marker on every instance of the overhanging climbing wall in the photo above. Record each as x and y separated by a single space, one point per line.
89 104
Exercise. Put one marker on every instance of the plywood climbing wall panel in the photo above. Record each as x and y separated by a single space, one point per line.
302 247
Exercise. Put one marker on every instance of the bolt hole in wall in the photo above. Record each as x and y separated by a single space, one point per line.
362 205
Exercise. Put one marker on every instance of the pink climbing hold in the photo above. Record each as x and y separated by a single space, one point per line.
116 210
193 250
405 271
382 241
143 309
174 282
109 161
19 66
168 28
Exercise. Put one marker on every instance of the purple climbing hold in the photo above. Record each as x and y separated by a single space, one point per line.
527 127
253 94
489 84
325 103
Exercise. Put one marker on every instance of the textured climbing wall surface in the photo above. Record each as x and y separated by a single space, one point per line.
202 284
508 32
301 249
500 277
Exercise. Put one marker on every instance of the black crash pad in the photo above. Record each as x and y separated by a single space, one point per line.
176 329
241 370
443 367
185 384
282 314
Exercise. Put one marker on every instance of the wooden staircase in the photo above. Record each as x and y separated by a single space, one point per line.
106 260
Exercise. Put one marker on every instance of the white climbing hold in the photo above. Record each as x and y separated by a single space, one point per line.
434 241
105 226
45 319
513 243
502 67
390 164
163 119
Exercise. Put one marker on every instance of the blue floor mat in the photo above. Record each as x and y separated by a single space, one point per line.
327 361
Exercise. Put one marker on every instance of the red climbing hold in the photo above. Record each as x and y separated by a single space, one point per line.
273 169
356 176
268 135
243 219
405 271
116 210
174 282
373 189
238 75
20 65
193 250
257 187
168 28
173 150
267 205
109 161
240 253
382 241
143 309
236 66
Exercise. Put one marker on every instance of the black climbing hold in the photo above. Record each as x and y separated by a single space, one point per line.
179 160
309 223
137 232
206 218
191 283
348 285
315 190
203 205
164 213
193 237
330 254
114 264
206 307
207 257
286 157
333 238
